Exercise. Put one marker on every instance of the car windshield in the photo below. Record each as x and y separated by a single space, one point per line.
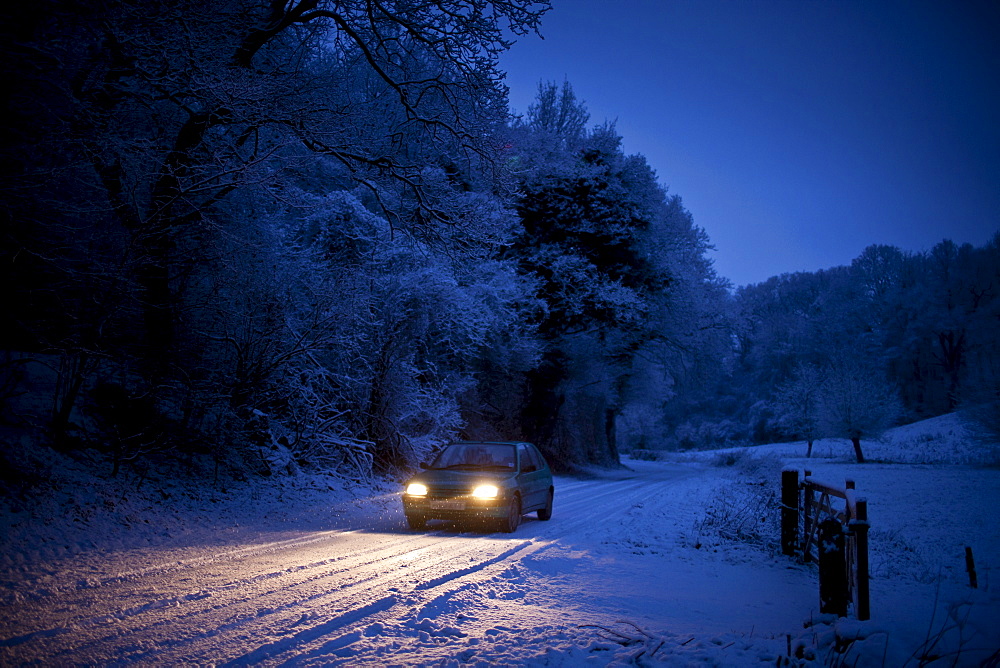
496 456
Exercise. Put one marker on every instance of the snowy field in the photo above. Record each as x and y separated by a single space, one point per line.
670 562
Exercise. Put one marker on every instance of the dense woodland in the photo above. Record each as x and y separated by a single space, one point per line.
311 234
847 352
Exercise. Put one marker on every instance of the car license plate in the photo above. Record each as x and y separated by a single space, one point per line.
447 504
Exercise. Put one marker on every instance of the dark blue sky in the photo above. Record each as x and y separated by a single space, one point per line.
797 132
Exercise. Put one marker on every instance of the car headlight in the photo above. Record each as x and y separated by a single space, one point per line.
416 489
486 492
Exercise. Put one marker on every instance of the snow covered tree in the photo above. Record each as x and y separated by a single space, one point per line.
691 351
171 111
796 404
856 401
168 139
401 327
581 228
619 265
557 114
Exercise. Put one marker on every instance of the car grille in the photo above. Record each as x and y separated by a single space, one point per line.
446 492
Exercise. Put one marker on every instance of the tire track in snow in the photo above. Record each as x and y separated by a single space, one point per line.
40 588
462 572
145 577
419 605
313 633
583 502
276 606
169 610
445 552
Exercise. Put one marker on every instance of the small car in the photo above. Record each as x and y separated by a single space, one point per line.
493 482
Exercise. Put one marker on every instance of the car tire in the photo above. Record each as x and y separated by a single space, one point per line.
545 514
416 522
511 521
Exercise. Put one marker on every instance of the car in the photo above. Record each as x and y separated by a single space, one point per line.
495 482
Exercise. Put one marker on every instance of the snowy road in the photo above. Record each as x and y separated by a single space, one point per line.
633 569
374 592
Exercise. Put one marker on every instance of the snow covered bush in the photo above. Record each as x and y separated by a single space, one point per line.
746 509
707 435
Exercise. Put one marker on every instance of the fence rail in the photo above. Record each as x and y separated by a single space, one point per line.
833 535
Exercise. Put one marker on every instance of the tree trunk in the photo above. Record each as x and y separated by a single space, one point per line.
952 347
809 448
611 434
856 441
540 414
72 371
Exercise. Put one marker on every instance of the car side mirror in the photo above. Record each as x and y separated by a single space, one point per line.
424 465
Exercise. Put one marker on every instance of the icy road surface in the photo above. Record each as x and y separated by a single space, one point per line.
371 592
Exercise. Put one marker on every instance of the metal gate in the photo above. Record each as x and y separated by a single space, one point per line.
816 528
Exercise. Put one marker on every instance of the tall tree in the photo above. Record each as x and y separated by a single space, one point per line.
605 244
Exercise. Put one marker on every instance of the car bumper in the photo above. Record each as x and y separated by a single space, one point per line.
455 508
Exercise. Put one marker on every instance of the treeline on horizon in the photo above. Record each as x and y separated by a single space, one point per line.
850 351
311 235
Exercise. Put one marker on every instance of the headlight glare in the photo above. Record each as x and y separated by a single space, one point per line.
485 492
416 489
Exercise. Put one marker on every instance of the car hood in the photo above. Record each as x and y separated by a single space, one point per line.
458 480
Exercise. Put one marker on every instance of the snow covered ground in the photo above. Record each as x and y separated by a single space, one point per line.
671 562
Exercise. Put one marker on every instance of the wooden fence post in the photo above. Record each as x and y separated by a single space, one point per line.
807 518
789 512
860 527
